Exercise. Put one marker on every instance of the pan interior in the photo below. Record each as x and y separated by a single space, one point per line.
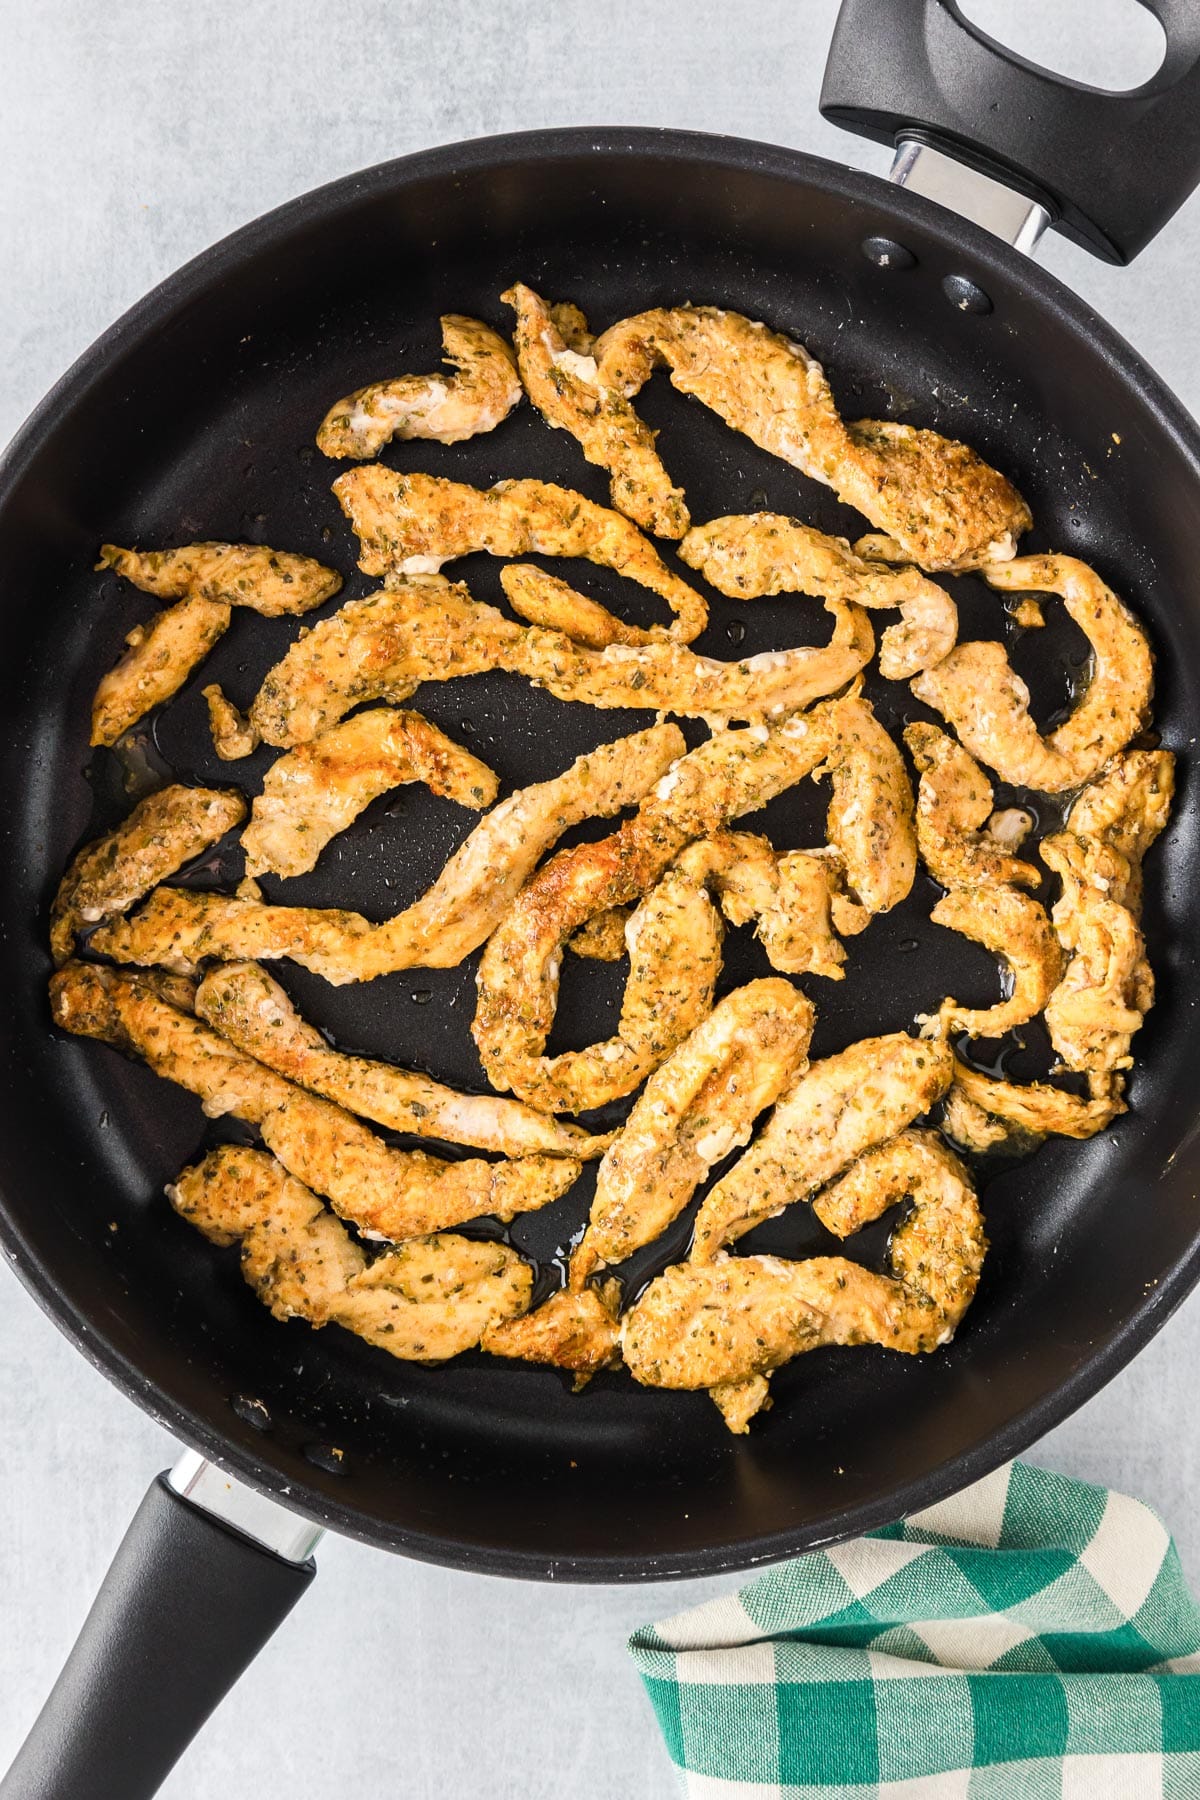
198 423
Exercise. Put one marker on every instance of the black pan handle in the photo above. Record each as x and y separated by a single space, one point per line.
185 1607
1111 168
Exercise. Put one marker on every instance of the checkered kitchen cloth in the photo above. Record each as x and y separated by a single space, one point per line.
1030 1639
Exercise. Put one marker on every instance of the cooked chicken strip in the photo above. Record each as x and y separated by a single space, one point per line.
1108 987
271 582
842 1107
576 1331
207 580
232 735
726 1325
749 555
567 390
785 894
734 772
243 1003
982 1111
985 700
1016 929
942 504
962 842
410 524
428 629
423 1302
164 831
452 918
320 788
160 657
446 408
1128 805
542 599
392 1194
674 940
697 1106
870 818
603 937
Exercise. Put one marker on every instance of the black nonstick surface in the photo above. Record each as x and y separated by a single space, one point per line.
195 418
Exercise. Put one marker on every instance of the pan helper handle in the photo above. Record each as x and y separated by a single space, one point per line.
1012 146
206 1572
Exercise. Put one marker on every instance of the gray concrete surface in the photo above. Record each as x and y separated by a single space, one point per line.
131 135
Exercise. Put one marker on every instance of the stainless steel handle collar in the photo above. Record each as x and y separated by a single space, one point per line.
242 1509
1007 214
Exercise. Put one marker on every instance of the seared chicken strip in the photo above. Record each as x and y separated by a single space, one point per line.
233 736
160 657
243 1003
447 408
412 524
423 1302
545 600
985 700
734 772
944 507
786 894
870 818
982 1112
842 1107
391 1194
452 918
164 831
206 580
697 1106
565 386
603 937
1016 929
320 788
963 843
570 1330
1108 986
424 628
749 555
726 1325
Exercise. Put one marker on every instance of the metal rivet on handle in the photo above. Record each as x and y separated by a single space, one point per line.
886 253
965 295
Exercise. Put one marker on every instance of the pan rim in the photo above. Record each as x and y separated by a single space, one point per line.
478 156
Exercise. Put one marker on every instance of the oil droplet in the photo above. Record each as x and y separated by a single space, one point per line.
103 1121
306 454
735 631
759 500
326 533
909 944
421 996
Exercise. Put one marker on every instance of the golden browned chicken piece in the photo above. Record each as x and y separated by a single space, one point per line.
733 772
1108 986
545 600
164 831
160 657
696 1107
571 1330
726 1325
1017 929
243 1003
452 918
391 1194
843 1106
412 524
447 408
424 628
206 580
943 506
565 386
320 788
233 736
786 895
982 1112
748 555
979 692
870 817
603 937
962 841
423 1302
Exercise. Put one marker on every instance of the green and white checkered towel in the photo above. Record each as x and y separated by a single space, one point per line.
1030 1639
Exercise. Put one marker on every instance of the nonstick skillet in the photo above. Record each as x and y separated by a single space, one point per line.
194 417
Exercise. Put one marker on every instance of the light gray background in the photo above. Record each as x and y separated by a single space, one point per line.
132 134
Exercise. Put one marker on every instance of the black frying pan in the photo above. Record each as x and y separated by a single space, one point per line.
194 417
